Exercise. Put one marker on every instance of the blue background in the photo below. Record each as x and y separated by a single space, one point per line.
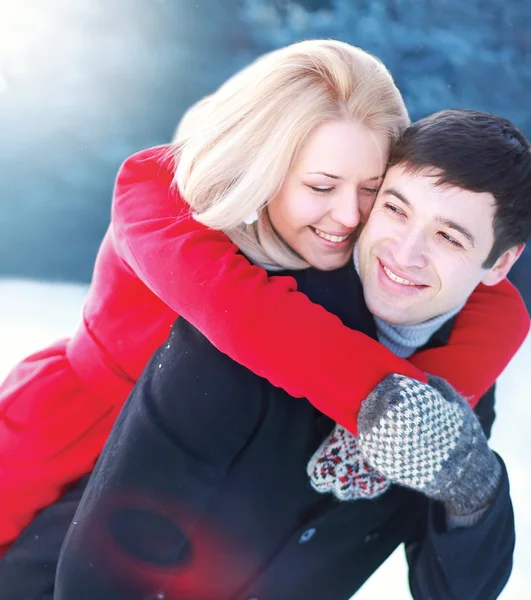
85 83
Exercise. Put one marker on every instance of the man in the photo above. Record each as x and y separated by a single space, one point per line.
453 211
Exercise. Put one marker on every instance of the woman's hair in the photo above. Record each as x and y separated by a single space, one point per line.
235 147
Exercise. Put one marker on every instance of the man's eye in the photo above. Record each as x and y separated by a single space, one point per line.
321 189
394 209
450 239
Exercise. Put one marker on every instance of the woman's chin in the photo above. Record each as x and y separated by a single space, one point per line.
331 262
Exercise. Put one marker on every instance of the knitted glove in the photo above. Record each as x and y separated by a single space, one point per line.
338 467
427 438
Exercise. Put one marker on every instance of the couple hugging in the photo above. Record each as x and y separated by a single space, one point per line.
333 282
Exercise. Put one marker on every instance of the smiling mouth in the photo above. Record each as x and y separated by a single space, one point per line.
336 239
396 278
400 280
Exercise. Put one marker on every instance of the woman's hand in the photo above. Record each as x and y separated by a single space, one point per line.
427 438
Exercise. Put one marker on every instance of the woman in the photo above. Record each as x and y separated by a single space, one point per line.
60 404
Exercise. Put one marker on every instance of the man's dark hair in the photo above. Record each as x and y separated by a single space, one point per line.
479 152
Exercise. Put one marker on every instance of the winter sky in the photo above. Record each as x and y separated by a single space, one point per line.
33 315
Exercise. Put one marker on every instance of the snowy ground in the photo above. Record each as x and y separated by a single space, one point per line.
35 314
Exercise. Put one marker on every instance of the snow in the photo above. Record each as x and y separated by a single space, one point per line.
34 314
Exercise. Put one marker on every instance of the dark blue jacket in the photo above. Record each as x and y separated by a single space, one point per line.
202 494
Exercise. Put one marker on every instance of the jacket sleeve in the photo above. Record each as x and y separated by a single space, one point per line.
141 521
264 323
469 562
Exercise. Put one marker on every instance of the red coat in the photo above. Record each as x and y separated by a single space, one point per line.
58 406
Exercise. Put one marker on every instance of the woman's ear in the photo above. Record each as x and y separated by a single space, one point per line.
503 265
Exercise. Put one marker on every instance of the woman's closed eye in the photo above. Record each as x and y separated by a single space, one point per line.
321 189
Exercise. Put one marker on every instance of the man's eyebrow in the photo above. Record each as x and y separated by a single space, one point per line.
441 220
392 192
453 225
376 178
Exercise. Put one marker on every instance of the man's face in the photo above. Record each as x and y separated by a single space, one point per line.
422 249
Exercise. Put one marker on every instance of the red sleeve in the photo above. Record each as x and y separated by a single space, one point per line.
261 322
486 335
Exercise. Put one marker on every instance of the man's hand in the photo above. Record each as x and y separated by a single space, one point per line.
427 438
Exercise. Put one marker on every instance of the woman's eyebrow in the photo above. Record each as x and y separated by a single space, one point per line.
325 174
375 178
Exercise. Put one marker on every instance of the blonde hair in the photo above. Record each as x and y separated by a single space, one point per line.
235 147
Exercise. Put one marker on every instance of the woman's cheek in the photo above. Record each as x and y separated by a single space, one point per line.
315 209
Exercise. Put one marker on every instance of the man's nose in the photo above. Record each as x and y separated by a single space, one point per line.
409 249
346 210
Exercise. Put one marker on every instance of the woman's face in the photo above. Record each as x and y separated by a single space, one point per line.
329 192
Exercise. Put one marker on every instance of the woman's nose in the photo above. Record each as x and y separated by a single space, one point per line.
346 210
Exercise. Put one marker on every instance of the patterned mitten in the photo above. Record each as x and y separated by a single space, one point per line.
339 467
427 438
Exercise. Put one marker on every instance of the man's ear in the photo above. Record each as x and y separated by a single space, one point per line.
503 265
